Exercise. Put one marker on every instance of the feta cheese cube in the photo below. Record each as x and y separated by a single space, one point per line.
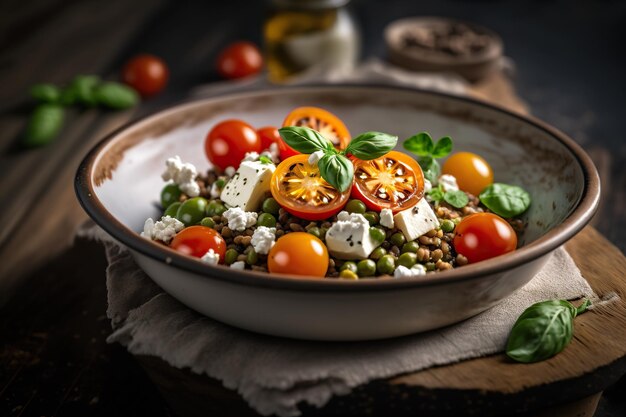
386 218
247 187
240 220
263 239
417 220
349 237
211 257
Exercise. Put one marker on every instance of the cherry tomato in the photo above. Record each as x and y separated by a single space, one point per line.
329 125
229 141
147 74
197 240
482 236
268 135
394 181
471 171
298 253
300 189
239 59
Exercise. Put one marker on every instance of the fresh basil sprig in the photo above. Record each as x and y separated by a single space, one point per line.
456 198
543 330
505 200
428 152
334 167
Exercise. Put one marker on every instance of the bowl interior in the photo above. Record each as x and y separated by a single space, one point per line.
127 171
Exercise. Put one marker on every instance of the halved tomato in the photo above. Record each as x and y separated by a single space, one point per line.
394 181
329 125
300 189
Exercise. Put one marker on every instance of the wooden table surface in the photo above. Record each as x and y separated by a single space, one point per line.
53 358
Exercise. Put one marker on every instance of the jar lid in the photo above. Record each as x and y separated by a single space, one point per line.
310 4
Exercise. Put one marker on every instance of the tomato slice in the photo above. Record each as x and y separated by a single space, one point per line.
300 189
394 181
329 125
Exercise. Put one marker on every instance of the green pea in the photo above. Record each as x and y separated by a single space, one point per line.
115 95
220 183
349 265
386 264
323 231
271 206
430 266
315 231
366 268
252 257
372 217
378 253
215 208
447 226
457 220
172 209
266 219
355 206
44 125
207 222
45 93
410 247
230 256
397 239
170 194
407 259
377 234
347 274
192 211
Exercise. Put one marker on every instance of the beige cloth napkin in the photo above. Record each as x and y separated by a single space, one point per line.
273 374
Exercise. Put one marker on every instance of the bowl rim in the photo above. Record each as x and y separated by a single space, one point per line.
576 220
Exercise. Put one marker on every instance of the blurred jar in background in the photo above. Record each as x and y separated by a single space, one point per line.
303 35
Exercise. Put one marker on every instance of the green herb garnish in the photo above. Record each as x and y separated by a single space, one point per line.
265 160
428 152
456 198
334 166
505 200
543 330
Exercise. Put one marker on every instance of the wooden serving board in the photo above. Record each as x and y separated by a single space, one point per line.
489 386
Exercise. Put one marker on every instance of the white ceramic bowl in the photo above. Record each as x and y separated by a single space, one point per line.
119 183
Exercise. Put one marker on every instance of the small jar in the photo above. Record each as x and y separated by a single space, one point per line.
306 35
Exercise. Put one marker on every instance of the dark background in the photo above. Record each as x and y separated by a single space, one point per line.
569 58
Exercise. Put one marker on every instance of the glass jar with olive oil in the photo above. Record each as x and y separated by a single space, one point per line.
306 35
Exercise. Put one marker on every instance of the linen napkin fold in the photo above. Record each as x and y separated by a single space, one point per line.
274 374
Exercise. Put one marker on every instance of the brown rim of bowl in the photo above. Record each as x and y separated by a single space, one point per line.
554 238
493 50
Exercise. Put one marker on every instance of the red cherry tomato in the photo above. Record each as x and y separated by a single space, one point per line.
482 236
298 253
197 240
239 59
268 135
147 74
227 143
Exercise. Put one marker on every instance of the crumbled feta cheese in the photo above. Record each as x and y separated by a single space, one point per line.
349 237
183 174
240 220
263 239
164 230
238 265
448 183
416 221
415 271
274 152
215 191
386 218
250 156
230 171
247 188
211 257
315 156
428 186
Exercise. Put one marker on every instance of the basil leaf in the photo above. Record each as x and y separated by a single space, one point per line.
420 144
114 95
505 200
543 330
430 167
371 145
337 170
304 139
46 93
456 198
83 88
443 147
44 125
436 194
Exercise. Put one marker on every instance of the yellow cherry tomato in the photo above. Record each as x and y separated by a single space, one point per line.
471 171
298 253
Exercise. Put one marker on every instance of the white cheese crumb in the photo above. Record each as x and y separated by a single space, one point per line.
215 191
238 265
163 230
211 257
415 271
386 218
230 171
240 220
448 183
263 239
274 152
314 157
183 174
251 156
428 186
